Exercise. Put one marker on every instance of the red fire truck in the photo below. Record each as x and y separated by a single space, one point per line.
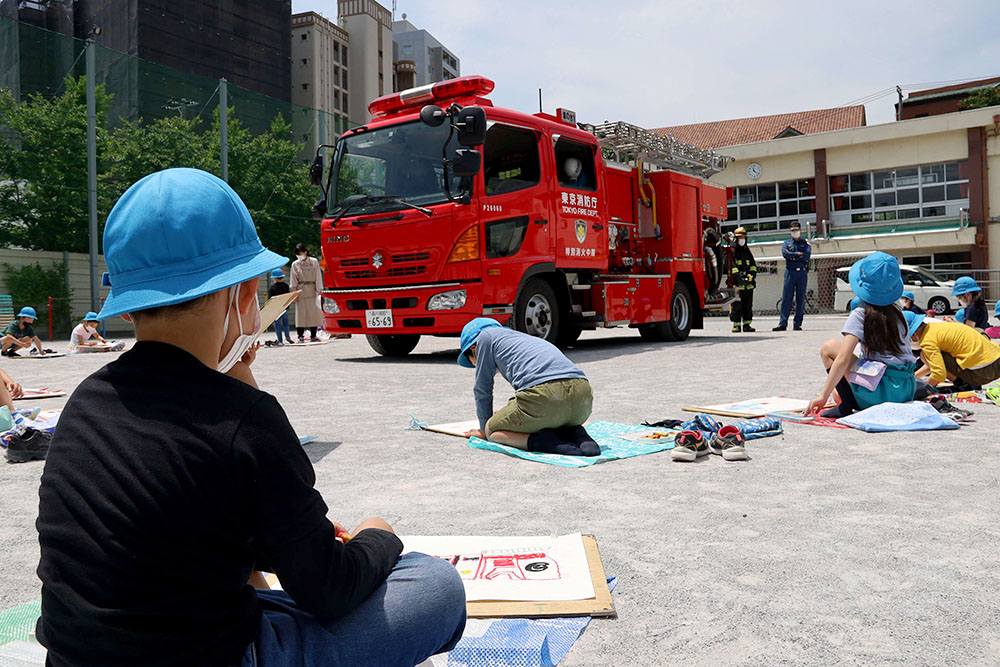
552 228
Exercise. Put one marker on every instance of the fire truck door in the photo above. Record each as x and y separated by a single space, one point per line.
515 209
581 228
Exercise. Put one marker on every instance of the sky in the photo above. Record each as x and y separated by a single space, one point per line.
658 63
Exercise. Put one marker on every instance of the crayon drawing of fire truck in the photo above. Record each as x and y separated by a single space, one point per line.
514 567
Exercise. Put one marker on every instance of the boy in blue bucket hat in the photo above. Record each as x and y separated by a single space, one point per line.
20 334
970 297
552 397
907 301
877 332
172 478
278 287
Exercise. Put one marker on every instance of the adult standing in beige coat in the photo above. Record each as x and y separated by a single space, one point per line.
308 277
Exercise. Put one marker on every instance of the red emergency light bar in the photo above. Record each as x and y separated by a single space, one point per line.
464 86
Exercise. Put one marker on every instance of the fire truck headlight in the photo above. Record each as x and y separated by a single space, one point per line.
447 300
330 306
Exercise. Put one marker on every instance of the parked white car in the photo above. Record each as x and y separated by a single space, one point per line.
931 291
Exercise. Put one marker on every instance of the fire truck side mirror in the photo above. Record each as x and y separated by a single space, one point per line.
471 125
432 115
319 209
466 162
316 171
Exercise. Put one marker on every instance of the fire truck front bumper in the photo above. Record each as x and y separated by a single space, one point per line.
442 308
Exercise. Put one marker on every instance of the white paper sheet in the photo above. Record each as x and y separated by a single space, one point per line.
514 568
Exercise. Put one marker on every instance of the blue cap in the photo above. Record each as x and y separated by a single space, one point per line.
913 321
176 235
960 315
470 334
908 295
28 311
964 285
856 302
90 317
876 279
996 311
277 273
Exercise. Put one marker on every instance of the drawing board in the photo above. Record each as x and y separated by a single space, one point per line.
274 307
44 392
797 417
48 355
458 429
754 407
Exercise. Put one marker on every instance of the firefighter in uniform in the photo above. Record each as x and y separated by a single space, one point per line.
745 280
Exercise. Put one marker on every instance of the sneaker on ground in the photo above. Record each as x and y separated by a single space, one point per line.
31 445
942 405
688 446
797 328
780 328
729 443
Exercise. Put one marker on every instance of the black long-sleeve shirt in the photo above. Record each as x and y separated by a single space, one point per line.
164 482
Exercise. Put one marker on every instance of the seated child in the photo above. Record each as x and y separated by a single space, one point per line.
951 350
552 397
84 331
906 302
874 332
20 334
172 478
970 297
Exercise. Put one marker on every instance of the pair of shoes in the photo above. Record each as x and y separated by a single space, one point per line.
797 328
780 327
748 329
30 445
728 442
942 405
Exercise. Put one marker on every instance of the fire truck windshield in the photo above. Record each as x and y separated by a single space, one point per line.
397 162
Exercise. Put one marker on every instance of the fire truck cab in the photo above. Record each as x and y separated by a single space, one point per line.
445 208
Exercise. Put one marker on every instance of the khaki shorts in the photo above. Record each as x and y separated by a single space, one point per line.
974 376
547 405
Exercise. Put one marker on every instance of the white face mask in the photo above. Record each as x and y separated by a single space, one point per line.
741 241
796 234
244 341
301 256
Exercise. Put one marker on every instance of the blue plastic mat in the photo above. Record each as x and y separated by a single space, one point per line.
517 642
604 433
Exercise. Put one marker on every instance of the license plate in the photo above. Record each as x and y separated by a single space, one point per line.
378 319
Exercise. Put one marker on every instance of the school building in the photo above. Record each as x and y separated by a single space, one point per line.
925 189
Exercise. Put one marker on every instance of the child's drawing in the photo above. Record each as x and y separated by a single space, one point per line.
519 567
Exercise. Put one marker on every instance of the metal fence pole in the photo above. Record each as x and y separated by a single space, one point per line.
224 128
92 171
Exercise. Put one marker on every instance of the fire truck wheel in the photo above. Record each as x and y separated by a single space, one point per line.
681 313
537 311
393 345
657 332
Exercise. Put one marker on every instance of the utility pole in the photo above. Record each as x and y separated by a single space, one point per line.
91 72
224 128
539 100
899 107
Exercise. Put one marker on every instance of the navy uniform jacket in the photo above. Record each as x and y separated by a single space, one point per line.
796 253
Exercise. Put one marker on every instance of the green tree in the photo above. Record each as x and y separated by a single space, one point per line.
43 168
984 97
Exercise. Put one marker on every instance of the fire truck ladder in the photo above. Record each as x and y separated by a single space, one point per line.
631 143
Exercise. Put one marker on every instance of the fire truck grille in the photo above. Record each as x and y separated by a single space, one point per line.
356 261
359 275
405 271
412 257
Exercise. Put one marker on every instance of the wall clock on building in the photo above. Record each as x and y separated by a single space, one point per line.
754 170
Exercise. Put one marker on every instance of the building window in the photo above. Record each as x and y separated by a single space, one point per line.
772 206
304 36
305 86
903 193
336 52
305 61
336 100
343 98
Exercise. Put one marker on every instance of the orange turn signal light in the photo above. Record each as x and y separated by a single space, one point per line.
466 247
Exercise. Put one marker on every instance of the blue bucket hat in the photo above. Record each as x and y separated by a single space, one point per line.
856 302
913 321
960 315
176 235
876 279
470 334
28 311
964 285
996 310
908 295
91 316
277 273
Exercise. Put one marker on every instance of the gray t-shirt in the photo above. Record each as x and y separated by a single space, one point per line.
855 325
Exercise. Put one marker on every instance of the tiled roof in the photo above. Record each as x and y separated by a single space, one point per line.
955 89
764 128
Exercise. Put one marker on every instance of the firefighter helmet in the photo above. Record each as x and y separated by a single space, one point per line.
573 168
740 231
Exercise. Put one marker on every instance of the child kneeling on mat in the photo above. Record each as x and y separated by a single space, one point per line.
954 351
876 332
552 397
173 478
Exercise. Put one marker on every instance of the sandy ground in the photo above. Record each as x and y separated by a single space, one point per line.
828 547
